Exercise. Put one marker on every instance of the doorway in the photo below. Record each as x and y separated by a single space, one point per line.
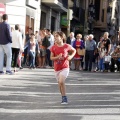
29 23
43 20
53 23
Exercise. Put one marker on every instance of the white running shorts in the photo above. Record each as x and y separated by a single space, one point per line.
64 72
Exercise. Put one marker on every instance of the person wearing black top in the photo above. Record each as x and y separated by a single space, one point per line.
107 43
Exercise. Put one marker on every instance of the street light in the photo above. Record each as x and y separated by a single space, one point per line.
69 18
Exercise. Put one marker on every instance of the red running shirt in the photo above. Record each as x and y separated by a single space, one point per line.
56 50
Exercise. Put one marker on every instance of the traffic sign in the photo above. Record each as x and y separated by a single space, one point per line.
2 9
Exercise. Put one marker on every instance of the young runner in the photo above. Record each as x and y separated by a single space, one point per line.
61 58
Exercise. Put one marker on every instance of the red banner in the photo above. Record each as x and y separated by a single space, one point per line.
2 9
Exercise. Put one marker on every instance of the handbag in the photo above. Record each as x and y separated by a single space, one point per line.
108 58
81 52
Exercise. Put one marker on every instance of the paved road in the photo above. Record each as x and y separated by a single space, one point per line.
34 95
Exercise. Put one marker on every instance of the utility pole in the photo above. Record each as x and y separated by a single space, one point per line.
69 18
86 18
119 13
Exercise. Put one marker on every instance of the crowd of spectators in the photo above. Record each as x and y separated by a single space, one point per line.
33 50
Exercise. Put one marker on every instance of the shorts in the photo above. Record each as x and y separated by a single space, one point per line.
42 52
64 72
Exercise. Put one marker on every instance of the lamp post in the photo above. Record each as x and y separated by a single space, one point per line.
119 13
69 18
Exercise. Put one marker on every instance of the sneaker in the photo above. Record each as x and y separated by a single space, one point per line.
105 70
9 72
15 70
64 100
96 70
30 67
48 67
1 72
20 67
34 67
81 69
85 69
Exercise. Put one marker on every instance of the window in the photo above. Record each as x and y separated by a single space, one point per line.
97 9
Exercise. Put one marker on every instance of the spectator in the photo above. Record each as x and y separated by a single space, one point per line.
42 49
28 35
20 57
102 52
78 44
51 40
70 39
99 49
45 44
36 35
113 43
5 45
17 45
83 58
12 29
32 46
115 61
90 46
107 43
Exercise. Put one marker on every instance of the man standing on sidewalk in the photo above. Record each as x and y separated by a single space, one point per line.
107 44
90 47
5 45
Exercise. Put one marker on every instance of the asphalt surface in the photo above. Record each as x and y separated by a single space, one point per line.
34 95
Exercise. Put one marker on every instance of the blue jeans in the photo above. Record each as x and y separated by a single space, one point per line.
5 49
101 64
32 58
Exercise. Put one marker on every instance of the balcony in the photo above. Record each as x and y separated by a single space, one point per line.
58 5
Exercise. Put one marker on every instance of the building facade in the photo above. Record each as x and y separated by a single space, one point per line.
89 16
51 11
37 14
104 17
26 13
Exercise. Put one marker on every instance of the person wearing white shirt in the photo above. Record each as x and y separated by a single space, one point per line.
51 40
70 40
17 46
